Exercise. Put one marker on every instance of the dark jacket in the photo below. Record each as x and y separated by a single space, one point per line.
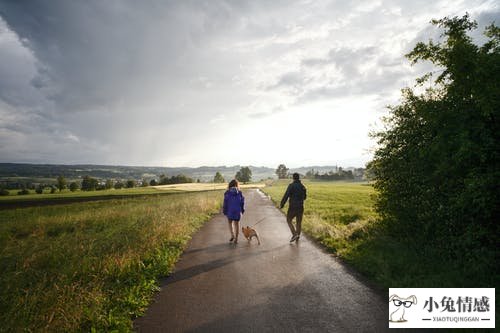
297 194
234 204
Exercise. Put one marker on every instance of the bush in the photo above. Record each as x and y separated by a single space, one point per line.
23 192
74 186
438 163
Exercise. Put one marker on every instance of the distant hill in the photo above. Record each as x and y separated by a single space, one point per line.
45 172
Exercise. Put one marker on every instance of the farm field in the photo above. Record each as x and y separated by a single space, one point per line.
159 189
92 266
13 196
190 187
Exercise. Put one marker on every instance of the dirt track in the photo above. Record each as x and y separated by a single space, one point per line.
274 287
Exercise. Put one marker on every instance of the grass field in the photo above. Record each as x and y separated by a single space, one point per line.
190 187
337 214
92 266
13 196
341 217
136 191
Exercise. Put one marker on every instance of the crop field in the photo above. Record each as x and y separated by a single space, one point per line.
136 191
13 196
92 266
337 214
190 187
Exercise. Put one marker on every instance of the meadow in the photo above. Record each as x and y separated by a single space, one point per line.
135 191
341 217
337 214
92 266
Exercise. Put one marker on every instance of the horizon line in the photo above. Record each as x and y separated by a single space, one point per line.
184 167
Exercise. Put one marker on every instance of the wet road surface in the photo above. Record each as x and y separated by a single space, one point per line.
273 287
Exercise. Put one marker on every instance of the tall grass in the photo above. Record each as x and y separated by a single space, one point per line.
92 266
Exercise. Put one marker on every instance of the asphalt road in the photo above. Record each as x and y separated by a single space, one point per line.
273 287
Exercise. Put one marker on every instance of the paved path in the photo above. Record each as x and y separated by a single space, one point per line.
272 287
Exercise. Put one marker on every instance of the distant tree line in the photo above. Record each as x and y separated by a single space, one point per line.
340 174
179 179
89 183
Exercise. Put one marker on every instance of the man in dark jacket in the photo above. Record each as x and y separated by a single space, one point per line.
296 192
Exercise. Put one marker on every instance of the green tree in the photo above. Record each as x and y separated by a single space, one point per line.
282 171
23 192
119 185
437 166
89 183
164 180
244 175
218 178
61 183
153 182
130 183
145 182
39 189
109 184
74 186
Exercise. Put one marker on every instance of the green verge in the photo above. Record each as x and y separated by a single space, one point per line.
337 214
92 266
341 217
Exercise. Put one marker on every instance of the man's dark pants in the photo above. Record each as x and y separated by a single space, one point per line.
295 212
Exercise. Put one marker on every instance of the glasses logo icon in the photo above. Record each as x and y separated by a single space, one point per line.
400 303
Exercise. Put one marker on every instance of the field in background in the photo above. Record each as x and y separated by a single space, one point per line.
93 265
136 191
190 187
337 214
79 194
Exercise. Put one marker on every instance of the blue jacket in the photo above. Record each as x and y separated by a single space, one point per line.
234 204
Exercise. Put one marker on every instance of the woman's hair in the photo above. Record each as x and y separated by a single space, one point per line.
233 183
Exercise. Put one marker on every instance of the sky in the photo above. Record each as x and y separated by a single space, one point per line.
192 83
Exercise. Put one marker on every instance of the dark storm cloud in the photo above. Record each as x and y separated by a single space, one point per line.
127 81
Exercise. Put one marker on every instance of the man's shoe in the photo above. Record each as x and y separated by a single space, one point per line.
232 239
294 238
236 241
297 239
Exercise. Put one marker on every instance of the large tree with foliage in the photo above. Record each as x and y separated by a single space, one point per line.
89 183
437 165
218 178
61 183
282 171
244 175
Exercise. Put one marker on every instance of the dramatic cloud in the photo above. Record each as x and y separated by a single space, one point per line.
215 82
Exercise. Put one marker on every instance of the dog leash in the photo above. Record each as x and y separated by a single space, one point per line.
258 222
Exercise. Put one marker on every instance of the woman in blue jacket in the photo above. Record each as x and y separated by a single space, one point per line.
233 207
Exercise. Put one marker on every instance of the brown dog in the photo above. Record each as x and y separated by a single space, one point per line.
249 233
